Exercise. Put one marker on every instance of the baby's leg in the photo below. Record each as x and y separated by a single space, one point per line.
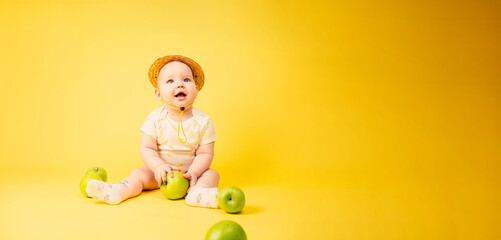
205 192
209 178
139 179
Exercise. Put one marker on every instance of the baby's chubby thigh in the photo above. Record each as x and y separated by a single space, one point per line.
146 176
209 178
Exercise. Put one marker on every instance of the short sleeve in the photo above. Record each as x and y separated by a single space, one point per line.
208 133
149 125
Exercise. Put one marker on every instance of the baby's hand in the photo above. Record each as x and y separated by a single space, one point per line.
160 172
192 177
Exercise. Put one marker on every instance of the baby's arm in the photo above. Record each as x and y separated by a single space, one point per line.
149 154
201 162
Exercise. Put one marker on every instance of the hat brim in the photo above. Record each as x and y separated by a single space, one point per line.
196 69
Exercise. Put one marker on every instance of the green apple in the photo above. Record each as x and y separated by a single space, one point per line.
226 230
98 171
85 180
176 186
231 199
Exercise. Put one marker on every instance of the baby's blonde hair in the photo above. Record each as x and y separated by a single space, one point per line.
196 70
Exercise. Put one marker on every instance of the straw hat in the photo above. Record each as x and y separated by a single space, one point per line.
198 73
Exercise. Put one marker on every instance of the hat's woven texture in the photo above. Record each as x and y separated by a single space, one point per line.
198 73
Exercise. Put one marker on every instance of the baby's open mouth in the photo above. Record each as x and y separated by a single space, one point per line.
181 94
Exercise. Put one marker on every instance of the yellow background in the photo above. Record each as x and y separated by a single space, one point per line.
339 119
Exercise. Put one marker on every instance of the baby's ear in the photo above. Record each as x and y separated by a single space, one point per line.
157 94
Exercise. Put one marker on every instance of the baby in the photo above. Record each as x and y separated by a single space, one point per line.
176 136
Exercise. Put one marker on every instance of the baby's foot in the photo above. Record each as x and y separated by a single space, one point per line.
108 193
201 196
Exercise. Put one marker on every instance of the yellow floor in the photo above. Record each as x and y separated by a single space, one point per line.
44 207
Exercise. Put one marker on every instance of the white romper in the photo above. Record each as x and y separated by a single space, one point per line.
199 130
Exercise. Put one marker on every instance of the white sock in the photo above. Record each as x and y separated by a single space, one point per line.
108 193
202 196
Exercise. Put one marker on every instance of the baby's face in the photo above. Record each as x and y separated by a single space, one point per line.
176 85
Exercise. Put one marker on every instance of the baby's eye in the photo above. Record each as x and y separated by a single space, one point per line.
170 81
187 79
